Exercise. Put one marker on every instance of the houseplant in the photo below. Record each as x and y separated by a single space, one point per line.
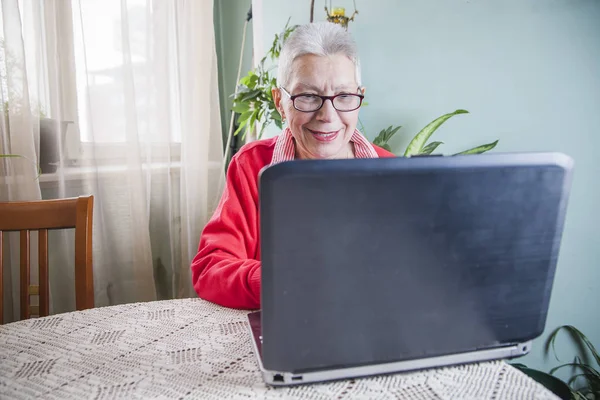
39 171
584 382
254 102
419 146
253 99
18 105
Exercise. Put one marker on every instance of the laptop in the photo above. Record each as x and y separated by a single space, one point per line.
377 266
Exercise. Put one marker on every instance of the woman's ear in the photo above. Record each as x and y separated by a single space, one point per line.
276 93
363 90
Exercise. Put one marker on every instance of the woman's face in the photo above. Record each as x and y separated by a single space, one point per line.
324 133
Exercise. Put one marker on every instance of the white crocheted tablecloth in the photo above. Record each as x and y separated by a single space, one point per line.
194 349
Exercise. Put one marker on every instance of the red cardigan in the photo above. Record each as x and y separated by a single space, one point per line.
226 269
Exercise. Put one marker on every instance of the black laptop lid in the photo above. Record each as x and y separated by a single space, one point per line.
380 260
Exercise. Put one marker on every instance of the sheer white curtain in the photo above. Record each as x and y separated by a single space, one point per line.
130 114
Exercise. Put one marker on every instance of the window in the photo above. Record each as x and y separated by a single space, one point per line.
126 75
126 72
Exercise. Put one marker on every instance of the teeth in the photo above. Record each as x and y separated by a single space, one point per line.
325 134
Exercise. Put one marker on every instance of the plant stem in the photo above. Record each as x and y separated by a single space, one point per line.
362 127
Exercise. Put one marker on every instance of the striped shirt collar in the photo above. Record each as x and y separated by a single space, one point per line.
285 148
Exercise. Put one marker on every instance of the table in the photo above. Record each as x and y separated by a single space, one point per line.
195 349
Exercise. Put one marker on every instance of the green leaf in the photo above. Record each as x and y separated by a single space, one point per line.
37 167
430 148
253 80
240 127
243 122
379 139
249 80
584 367
479 149
578 337
275 116
245 80
11 156
240 107
418 142
390 133
240 92
260 133
591 376
254 117
576 395
588 377
250 95
385 135
245 116
518 365
552 383
275 49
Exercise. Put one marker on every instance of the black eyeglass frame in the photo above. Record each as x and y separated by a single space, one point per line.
323 99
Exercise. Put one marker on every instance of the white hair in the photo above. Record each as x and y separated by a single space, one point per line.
321 39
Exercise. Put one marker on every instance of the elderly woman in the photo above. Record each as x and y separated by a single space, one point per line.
318 96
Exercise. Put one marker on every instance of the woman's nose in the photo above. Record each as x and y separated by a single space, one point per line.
327 112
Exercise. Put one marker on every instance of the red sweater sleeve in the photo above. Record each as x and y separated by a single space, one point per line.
383 153
226 269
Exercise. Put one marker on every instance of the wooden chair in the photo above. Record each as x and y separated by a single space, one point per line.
41 216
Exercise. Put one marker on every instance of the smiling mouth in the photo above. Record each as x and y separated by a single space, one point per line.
324 136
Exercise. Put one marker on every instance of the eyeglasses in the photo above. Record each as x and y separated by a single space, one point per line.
343 102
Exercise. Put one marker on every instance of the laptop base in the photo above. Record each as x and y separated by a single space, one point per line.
286 378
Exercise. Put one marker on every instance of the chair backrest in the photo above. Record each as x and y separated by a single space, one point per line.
44 215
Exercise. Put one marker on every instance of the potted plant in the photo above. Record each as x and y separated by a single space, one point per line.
419 146
49 128
584 382
253 99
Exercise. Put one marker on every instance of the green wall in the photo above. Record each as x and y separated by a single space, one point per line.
529 73
229 18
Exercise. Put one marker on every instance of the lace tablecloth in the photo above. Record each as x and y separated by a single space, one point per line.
194 349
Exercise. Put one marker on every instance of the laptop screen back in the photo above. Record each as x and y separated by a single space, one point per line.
382 260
